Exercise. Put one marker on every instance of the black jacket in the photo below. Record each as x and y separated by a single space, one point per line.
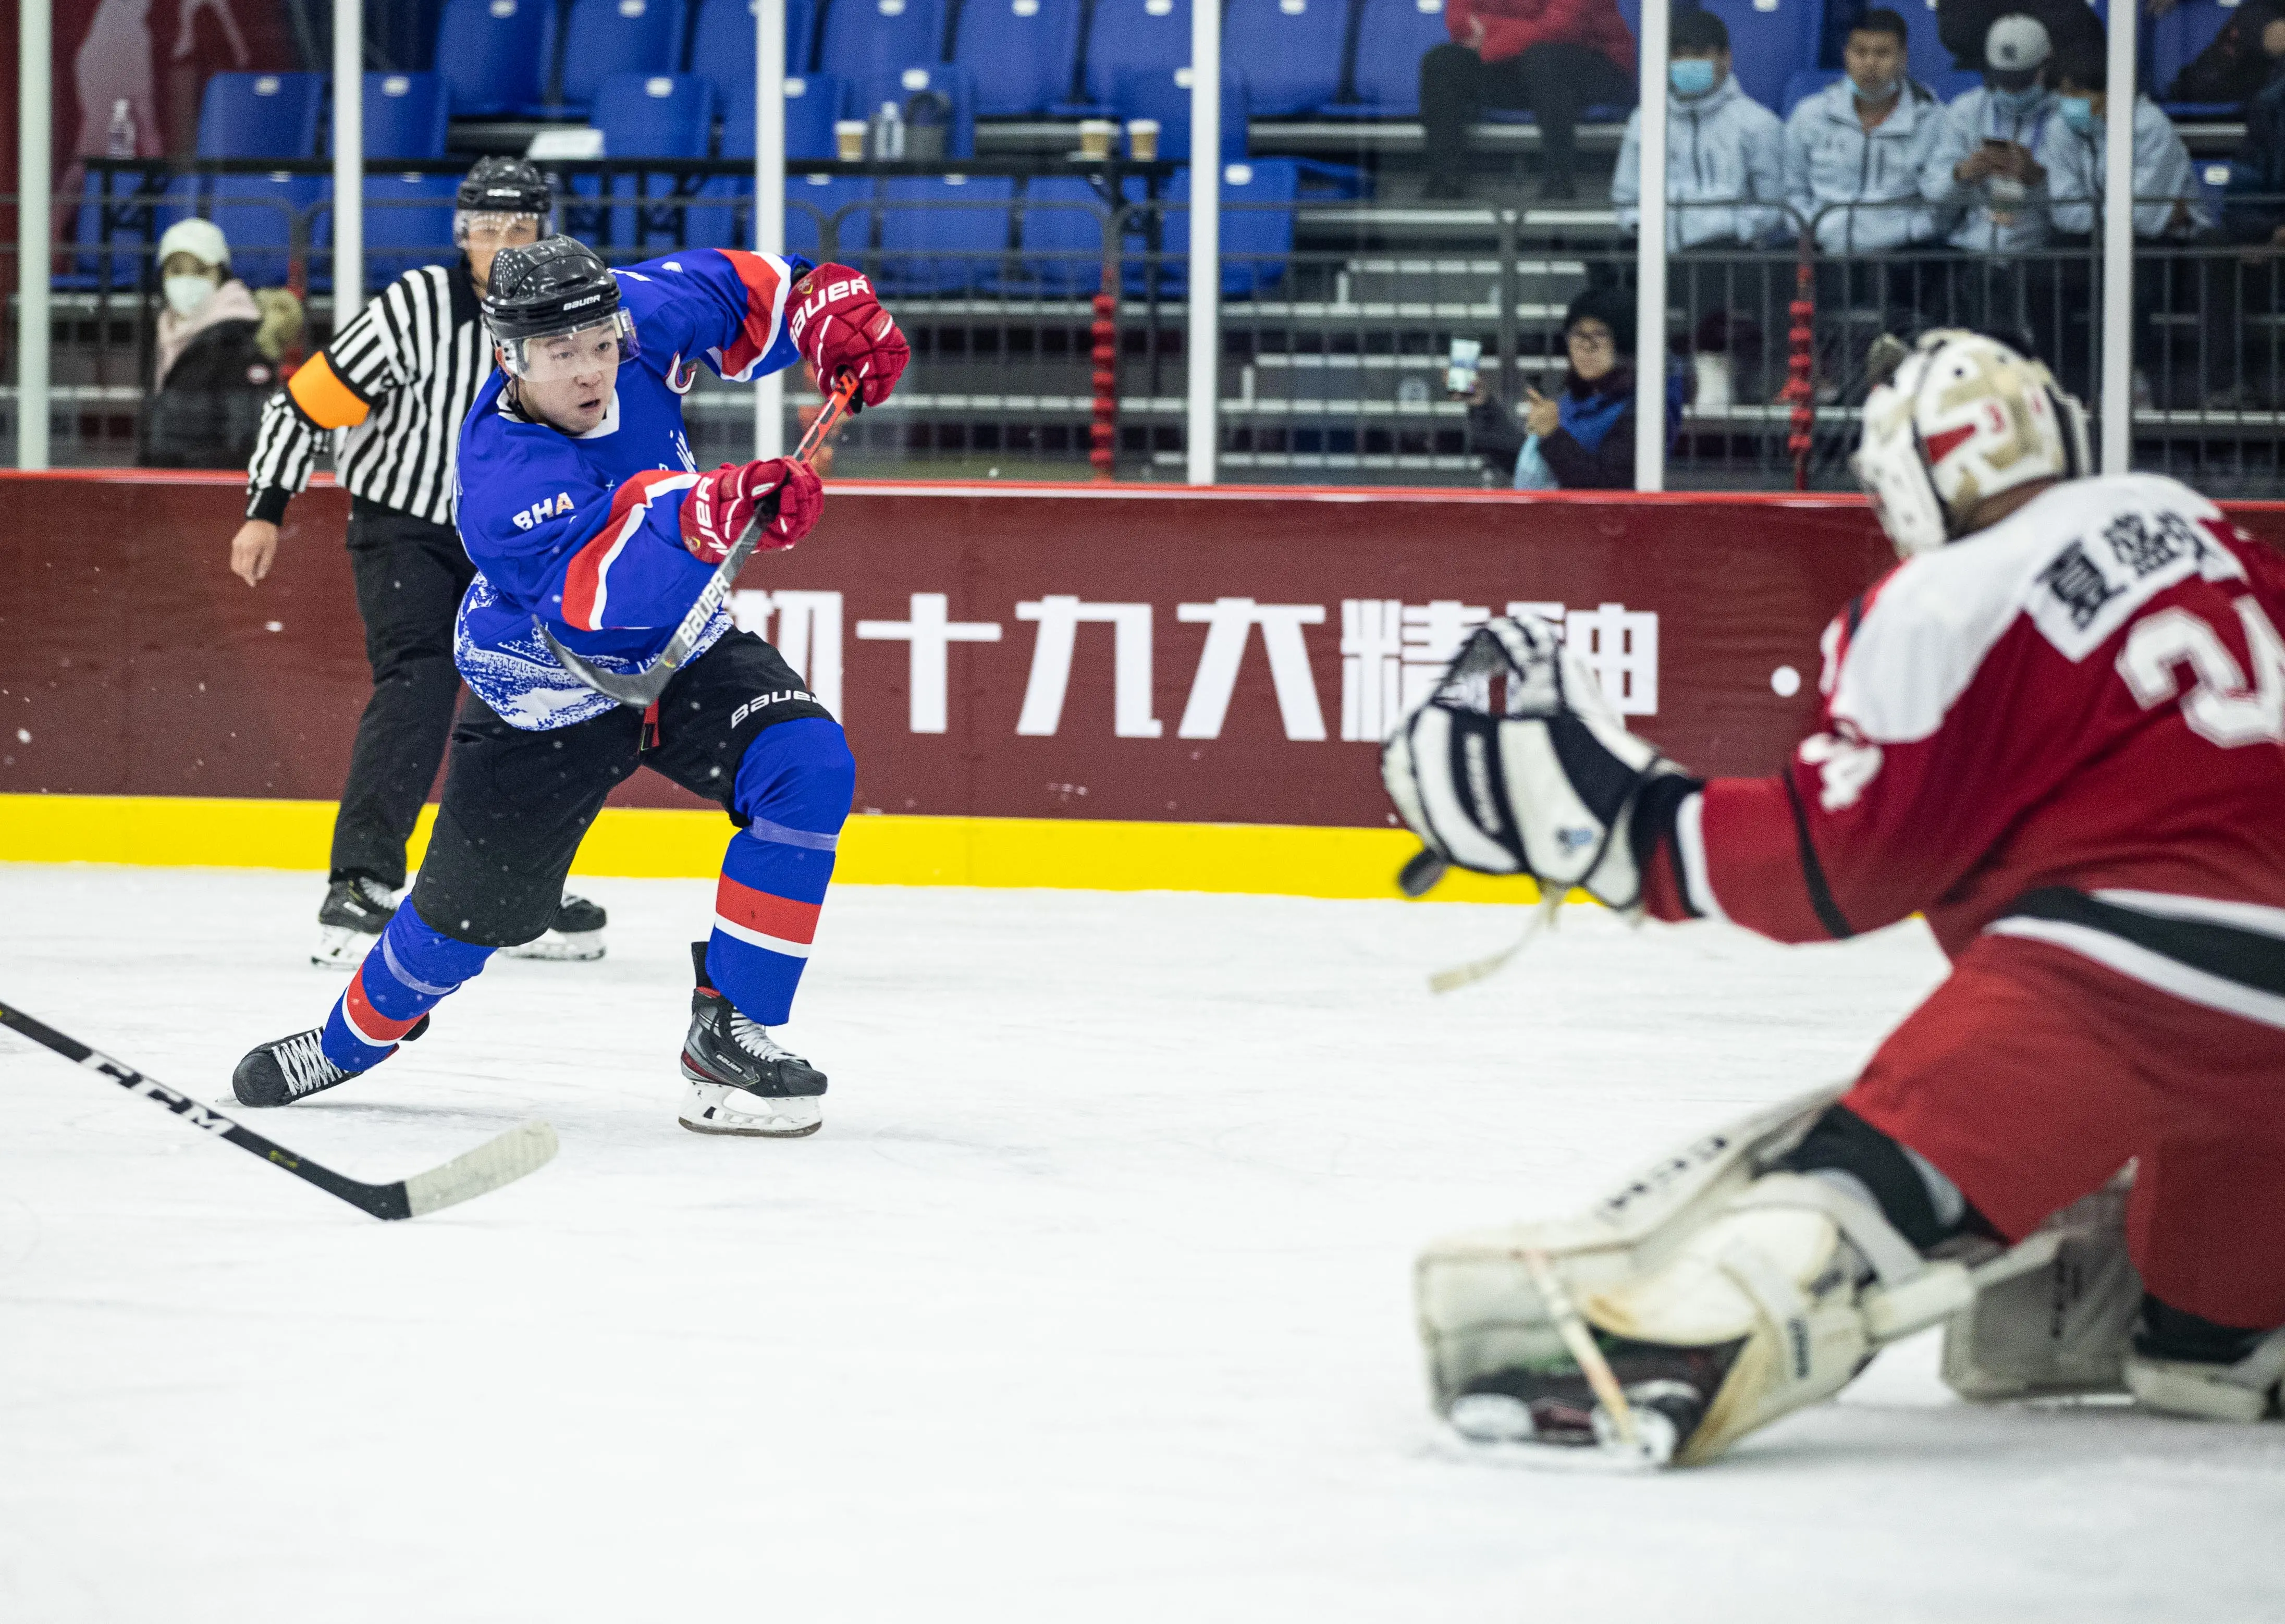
2254 206
206 414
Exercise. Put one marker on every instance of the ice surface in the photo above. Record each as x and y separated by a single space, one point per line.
1090 1303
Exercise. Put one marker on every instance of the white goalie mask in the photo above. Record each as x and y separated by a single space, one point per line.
1962 418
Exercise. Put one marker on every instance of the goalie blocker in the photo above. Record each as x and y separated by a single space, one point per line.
1758 1270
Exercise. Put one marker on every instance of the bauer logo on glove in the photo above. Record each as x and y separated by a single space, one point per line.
1517 764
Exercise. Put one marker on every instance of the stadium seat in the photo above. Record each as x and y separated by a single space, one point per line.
816 229
115 259
860 39
905 87
1062 220
406 115
603 37
813 102
2175 41
1769 46
261 115
1256 241
496 55
1133 36
1019 54
1805 85
1927 61
722 43
256 214
649 115
1391 38
943 233
1164 95
408 222
1289 51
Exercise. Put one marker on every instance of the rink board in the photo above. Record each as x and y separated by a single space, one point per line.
1112 686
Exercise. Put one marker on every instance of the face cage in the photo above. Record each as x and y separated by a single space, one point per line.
464 221
527 359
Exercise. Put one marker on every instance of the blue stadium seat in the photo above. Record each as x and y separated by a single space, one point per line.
813 102
1256 241
1927 61
260 115
1805 85
1062 219
722 43
408 222
812 202
115 259
863 38
648 116
1164 94
1767 48
406 115
1289 51
1136 37
603 37
256 214
496 55
902 88
1019 54
943 233
1391 38
2176 39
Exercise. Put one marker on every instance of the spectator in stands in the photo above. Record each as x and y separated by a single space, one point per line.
1724 153
1583 439
218 347
2239 61
2253 215
2166 209
1965 25
1554 58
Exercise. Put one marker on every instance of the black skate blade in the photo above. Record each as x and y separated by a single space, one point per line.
750 1132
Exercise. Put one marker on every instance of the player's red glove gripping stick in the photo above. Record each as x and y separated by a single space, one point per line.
719 505
839 327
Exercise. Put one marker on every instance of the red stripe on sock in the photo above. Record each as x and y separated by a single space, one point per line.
779 917
370 1023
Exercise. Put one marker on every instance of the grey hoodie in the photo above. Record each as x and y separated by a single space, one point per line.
2161 170
1832 159
1723 147
1990 223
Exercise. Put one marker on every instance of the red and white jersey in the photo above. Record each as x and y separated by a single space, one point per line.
2070 726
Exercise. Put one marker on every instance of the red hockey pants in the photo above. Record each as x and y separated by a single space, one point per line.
2032 1075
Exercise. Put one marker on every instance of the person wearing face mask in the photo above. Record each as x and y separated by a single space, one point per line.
218 353
386 396
1724 186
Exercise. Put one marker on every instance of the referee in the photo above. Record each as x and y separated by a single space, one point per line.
399 379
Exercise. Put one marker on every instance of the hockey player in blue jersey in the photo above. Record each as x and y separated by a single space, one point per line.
583 511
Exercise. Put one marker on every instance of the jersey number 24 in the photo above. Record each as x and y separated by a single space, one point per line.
2224 705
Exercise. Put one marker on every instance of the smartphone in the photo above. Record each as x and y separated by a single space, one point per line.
1460 367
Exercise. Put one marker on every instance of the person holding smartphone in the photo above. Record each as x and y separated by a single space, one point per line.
1583 437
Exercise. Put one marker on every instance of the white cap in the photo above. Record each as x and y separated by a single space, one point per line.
201 240
2016 45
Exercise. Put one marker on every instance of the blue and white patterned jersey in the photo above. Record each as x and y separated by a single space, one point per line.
584 532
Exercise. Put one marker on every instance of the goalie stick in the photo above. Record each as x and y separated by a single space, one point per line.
641 689
503 1160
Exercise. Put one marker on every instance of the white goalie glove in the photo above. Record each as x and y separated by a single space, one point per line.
1517 763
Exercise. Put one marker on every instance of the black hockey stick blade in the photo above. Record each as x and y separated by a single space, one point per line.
640 690
522 1149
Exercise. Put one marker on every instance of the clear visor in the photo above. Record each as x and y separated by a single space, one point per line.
607 343
501 228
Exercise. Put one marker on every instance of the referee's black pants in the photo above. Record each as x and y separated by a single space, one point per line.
410 577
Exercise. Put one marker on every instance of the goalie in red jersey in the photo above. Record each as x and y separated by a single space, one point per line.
2057 729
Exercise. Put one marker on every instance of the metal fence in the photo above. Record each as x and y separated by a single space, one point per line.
1336 326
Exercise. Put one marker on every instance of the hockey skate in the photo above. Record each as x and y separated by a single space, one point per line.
294 1069
575 936
1701 1301
356 912
742 1082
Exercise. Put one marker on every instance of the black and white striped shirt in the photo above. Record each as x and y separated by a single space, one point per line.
395 383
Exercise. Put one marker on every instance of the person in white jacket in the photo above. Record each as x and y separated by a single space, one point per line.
1724 195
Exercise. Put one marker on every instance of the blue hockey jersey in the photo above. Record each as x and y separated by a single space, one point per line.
585 532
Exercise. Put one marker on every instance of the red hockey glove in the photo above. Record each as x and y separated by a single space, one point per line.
720 505
839 327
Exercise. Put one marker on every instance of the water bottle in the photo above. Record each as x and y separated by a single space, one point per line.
889 132
120 142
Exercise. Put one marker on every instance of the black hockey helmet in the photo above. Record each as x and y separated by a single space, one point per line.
550 290
505 186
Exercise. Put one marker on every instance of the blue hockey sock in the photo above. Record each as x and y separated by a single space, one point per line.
793 786
403 976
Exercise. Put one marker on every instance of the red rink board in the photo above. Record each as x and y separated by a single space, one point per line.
1259 627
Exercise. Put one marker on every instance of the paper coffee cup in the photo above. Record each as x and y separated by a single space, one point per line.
1142 139
849 139
1095 136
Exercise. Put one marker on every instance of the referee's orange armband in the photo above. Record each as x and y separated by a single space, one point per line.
324 398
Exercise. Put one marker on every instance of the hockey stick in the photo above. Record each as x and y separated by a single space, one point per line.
641 689
496 1162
